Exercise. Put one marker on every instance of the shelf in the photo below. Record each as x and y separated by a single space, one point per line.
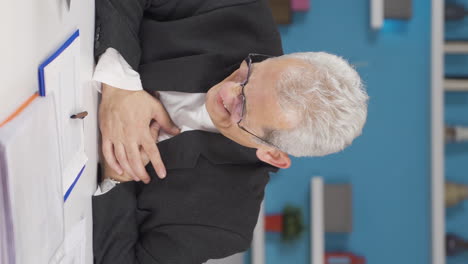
456 47
456 84
317 225
438 47
258 241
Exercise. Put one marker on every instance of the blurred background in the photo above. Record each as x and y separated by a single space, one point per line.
386 171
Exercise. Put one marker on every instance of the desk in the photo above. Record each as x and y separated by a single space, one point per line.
31 31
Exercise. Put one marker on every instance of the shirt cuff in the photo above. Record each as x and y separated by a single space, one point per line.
113 69
105 186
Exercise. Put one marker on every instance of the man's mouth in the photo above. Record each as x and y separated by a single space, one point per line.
225 107
229 105
223 104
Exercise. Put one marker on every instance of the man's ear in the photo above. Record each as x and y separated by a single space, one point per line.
274 157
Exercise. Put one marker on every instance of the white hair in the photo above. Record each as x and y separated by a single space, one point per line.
328 97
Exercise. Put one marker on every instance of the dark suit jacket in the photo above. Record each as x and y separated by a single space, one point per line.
208 204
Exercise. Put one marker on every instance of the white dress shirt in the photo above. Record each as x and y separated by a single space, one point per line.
113 69
187 110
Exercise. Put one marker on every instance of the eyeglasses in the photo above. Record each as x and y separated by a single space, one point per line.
251 58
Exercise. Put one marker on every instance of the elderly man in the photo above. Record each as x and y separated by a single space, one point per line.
223 114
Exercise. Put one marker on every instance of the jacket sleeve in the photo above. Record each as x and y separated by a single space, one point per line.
188 244
118 21
118 238
117 26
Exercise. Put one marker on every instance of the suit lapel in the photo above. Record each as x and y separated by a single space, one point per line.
183 151
190 74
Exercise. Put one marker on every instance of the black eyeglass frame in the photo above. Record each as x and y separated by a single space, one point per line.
249 60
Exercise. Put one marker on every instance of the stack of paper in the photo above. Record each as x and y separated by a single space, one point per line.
41 158
31 183
6 227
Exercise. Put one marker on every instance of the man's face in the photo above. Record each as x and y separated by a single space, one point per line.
262 110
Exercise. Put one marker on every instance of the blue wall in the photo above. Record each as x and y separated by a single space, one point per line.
388 165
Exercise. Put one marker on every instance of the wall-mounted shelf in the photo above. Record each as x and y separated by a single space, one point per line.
437 133
376 14
456 47
456 84
258 241
317 225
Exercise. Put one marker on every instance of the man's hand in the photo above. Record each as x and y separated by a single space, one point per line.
125 118
124 177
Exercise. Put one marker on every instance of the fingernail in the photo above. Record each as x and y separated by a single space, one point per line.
119 172
162 174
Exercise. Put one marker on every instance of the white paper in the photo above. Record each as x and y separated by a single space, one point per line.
62 82
33 180
72 251
7 248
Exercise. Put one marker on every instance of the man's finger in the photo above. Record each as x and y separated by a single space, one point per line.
144 157
153 153
111 174
154 130
108 152
122 158
164 120
133 155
